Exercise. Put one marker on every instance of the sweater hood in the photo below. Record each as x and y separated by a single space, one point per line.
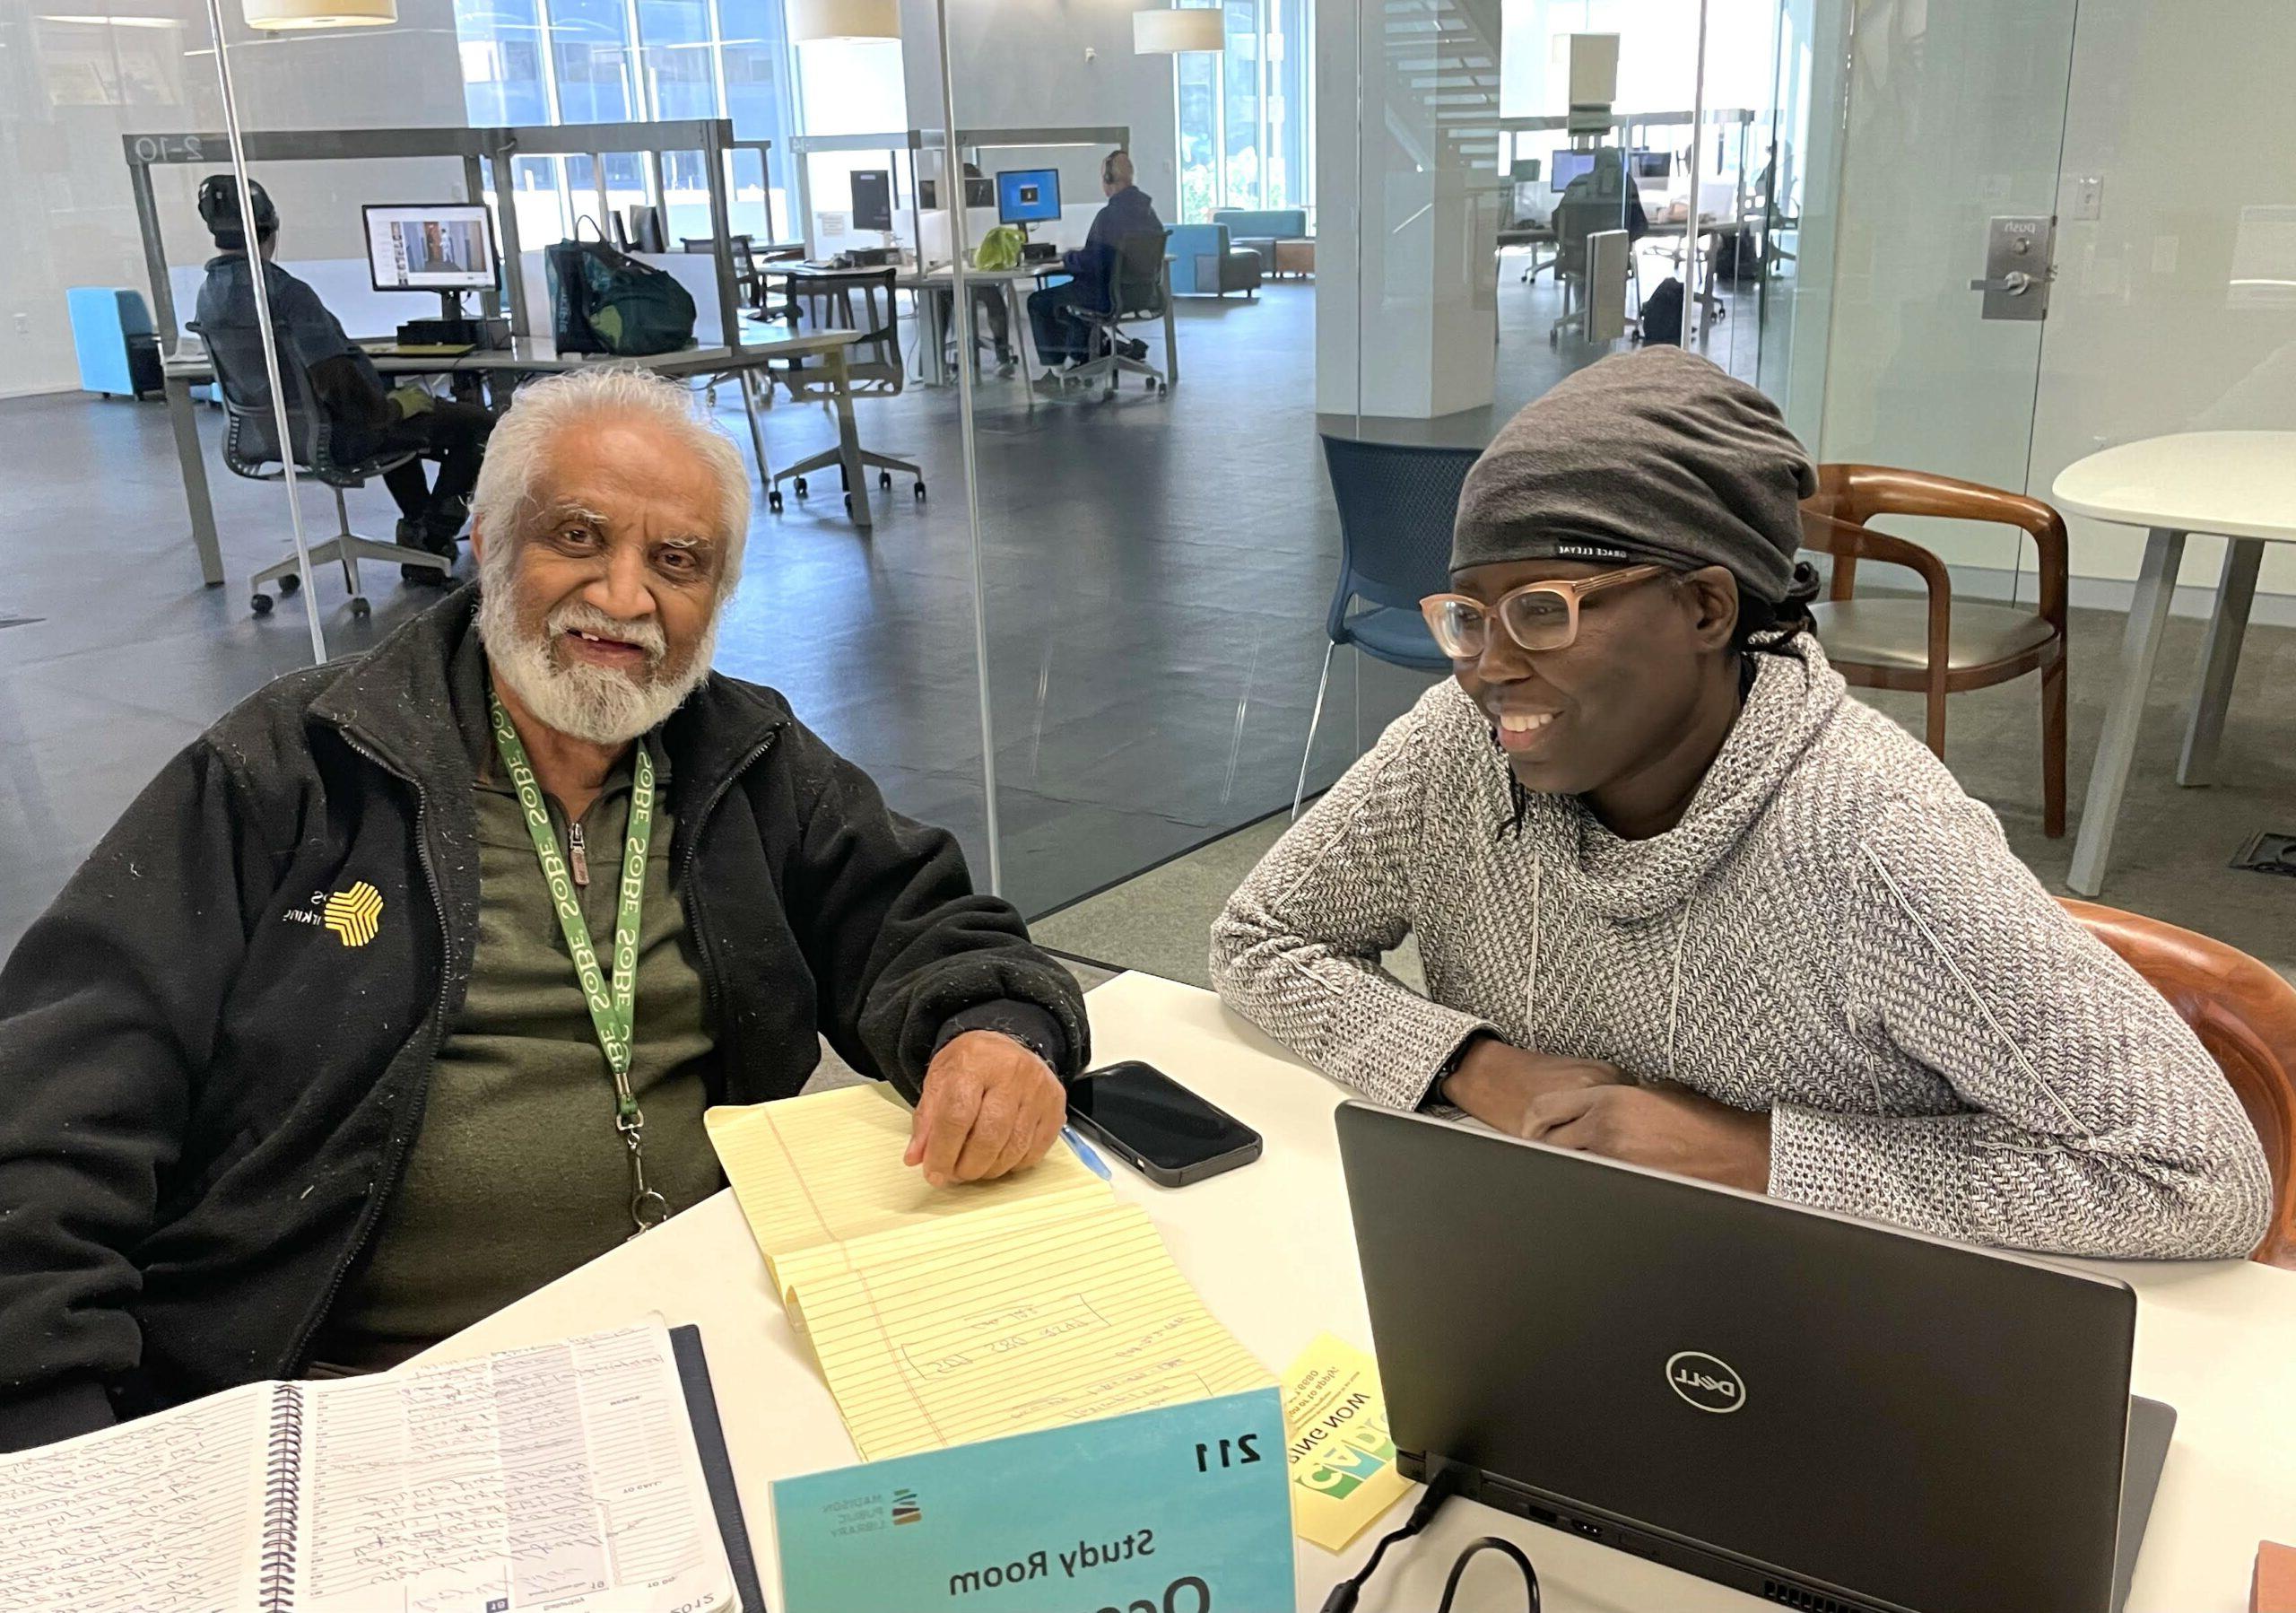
1795 694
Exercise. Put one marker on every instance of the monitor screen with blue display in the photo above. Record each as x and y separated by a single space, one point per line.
1568 166
1028 196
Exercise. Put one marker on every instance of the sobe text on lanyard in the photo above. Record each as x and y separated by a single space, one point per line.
613 1003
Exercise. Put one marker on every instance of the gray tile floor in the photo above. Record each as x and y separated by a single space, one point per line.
1156 575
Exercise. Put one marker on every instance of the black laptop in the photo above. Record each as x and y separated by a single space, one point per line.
1828 1413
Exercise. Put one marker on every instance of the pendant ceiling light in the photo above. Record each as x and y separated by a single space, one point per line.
273 14
811 19
1172 32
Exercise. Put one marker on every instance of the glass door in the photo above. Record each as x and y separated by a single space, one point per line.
1954 127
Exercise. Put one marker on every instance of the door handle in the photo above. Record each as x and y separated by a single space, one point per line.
2016 282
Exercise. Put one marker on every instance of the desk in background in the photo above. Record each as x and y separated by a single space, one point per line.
2240 485
2212 1341
760 344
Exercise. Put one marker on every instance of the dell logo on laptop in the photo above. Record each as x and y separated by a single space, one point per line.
1707 1381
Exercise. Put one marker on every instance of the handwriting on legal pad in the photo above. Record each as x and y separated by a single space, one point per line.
943 1315
826 1169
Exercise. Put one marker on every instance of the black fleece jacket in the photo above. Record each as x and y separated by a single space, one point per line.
208 1089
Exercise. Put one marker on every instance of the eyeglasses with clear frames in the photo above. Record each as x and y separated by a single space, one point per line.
1538 615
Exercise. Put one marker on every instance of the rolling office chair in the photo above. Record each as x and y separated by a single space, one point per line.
1138 287
251 443
1397 503
875 367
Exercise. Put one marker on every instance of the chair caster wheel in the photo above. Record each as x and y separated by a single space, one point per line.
801 487
920 492
290 582
261 603
849 504
885 481
360 607
773 500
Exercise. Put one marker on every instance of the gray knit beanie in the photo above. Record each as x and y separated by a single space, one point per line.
1654 454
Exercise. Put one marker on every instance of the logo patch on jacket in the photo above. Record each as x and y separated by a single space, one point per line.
355 915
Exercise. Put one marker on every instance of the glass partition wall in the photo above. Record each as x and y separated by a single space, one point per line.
1081 606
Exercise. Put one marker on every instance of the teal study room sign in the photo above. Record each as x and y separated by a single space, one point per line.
1186 1509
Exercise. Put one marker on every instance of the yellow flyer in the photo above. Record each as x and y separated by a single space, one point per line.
1343 1462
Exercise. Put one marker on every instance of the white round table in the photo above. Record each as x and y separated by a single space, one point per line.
2240 485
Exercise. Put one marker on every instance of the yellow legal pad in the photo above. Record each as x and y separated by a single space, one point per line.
944 1316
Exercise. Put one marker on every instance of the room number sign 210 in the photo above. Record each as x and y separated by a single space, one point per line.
1237 1453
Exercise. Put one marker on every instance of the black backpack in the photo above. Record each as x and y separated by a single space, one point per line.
602 300
1662 313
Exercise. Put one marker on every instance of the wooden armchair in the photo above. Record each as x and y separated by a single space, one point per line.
2244 1015
1940 646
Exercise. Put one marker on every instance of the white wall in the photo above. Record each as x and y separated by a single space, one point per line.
1037 64
68 92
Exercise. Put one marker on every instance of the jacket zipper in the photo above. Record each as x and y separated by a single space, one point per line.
578 854
694 898
395 1165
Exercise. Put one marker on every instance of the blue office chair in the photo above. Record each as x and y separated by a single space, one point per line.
1396 502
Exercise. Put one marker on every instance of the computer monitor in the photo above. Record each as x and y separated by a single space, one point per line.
1650 167
873 199
1567 166
1028 196
443 247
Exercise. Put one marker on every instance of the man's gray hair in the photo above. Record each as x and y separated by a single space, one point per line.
520 441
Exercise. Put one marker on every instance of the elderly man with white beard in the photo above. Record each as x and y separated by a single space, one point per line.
401 991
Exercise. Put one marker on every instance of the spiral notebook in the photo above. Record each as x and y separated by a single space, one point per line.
585 1477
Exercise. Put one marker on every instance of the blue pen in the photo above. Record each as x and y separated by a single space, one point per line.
1084 1152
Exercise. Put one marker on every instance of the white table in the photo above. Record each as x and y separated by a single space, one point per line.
2240 485
760 344
1271 1248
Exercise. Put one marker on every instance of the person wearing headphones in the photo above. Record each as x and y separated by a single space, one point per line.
1061 337
373 420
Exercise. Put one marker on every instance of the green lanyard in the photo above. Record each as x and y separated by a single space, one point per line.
612 1008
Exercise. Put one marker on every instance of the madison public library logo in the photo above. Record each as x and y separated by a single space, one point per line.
905 1507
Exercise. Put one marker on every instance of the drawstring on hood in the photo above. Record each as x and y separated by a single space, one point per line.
1793 693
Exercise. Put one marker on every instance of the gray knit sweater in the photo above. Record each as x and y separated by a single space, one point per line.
1834 932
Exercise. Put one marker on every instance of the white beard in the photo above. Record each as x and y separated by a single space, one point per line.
593 703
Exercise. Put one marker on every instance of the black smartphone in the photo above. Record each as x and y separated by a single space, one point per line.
1157 1126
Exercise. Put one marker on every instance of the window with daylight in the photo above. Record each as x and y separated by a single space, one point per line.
1246 114
611 61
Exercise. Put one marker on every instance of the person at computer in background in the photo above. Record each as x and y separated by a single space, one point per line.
1683 902
375 419
1060 337
297 1074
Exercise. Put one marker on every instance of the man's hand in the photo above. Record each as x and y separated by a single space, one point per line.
1496 1084
1666 1128
990 1106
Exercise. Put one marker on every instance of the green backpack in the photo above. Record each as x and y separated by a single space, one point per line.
1000 248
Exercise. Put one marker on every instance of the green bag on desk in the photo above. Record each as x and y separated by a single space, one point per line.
602 300
1000 248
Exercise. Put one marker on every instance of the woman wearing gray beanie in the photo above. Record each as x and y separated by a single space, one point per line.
1683 902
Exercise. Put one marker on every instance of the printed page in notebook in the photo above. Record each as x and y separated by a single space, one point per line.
1075 1313
826 1168
564 1475
163 1512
